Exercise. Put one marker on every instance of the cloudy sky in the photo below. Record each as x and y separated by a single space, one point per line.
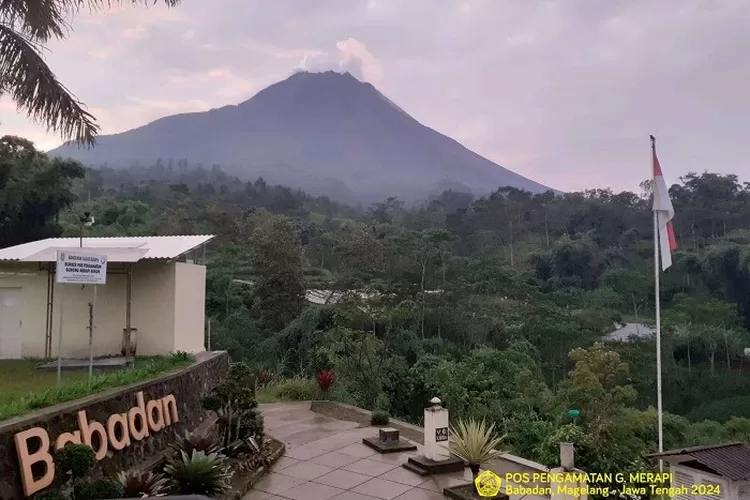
563 92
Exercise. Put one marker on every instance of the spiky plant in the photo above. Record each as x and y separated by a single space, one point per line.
475 443
204 440
199 473
142 484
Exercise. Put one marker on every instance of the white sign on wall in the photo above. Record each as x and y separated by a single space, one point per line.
81 268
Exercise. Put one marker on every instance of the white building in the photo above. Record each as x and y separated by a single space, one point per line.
154 295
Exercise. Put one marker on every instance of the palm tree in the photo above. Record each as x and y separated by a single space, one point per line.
25 27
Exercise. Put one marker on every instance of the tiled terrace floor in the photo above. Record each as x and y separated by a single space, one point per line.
326 460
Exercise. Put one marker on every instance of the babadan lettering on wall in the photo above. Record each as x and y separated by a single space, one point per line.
33 446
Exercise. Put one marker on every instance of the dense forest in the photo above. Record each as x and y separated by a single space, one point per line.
500 305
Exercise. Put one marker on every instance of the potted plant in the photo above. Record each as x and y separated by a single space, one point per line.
474 443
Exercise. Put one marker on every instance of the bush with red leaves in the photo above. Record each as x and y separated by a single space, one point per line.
326 378
264 377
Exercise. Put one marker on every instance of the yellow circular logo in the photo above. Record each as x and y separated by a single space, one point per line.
488 484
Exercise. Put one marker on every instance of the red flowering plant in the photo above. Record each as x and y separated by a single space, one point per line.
325 378
264 377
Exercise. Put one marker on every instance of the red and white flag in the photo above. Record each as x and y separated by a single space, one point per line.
664 214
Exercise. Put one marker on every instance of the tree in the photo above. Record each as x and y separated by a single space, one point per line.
277 261
598 388
25 27
358 250
579 259
424 247
633 286
33 191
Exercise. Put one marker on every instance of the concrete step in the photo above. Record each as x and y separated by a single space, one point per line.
447 466
416 469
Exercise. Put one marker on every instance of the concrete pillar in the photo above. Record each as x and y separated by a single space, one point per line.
565 490
436 433
567 460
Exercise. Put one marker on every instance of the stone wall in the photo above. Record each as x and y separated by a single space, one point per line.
188 386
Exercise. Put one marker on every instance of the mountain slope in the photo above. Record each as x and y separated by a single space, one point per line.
327 133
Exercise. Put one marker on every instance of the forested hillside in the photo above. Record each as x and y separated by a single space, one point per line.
499 305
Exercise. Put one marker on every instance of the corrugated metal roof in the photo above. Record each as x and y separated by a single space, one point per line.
117 249
729 460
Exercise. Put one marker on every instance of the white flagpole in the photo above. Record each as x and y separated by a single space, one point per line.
658 323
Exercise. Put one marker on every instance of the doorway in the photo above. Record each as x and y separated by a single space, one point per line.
10 323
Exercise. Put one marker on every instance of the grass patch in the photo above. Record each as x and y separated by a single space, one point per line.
291 389
266 395
23 388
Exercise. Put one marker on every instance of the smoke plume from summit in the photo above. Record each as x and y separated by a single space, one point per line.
351 56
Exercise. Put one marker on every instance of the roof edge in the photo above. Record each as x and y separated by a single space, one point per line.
694 449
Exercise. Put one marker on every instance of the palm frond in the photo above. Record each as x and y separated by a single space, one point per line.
44 19
24 26
38 19
36 90
473 442
96 4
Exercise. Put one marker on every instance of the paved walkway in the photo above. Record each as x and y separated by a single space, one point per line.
326 460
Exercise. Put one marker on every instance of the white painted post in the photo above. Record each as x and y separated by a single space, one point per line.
567 459
436 433
92 325
60 334
567 464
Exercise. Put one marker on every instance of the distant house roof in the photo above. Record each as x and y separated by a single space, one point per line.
117 249
728 460
628 331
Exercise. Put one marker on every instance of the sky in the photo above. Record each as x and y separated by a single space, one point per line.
563 92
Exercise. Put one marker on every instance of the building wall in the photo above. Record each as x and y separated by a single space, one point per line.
153 311
683 475
109 312
33 284
168 301
190 304
109 316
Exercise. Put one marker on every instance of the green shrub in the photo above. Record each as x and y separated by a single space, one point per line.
382 402
211 402
141 484
100 489
50 494
182 356
234 403
74 461
253 425
199 474
379 418
296 389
